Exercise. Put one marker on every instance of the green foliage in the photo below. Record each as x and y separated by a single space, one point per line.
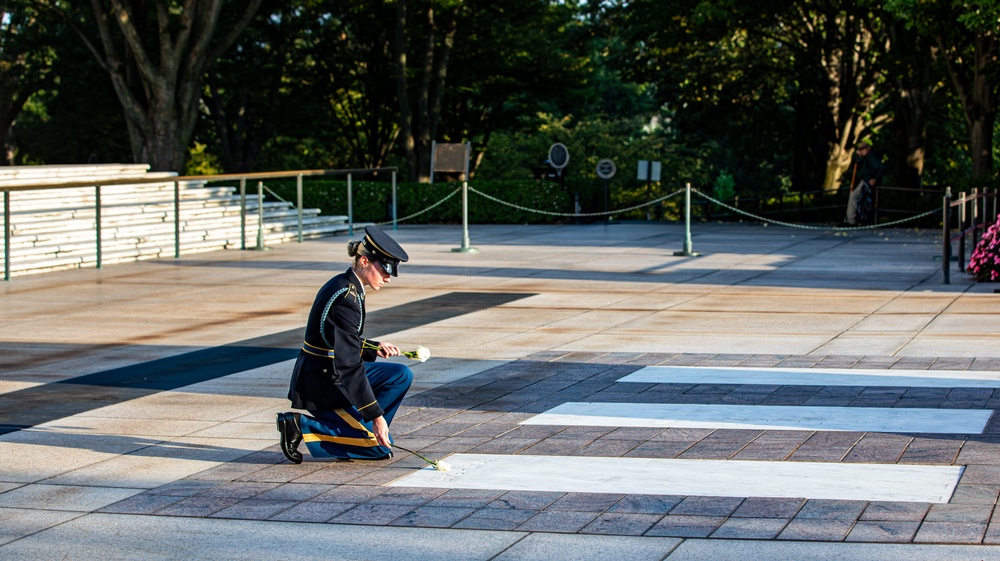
75 120
202 162
710 89
724 187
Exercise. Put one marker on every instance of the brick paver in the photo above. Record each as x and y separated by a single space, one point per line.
479 415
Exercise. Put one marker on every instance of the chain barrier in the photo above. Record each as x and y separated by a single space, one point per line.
419 212
805 227
570 214
659 200
275 195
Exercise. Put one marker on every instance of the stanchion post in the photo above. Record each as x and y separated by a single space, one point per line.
465 222
687 225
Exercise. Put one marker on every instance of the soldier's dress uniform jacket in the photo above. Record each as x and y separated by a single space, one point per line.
330 372
336 379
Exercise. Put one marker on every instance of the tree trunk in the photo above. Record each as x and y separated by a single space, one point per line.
160 96
838 160
978 96
852 66
405 115
418 137
913 59
981 108
809 146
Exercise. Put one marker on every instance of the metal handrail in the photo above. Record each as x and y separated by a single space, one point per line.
7 188
973 216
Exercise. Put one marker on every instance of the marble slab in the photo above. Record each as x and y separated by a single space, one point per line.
768 417
709 478
815 377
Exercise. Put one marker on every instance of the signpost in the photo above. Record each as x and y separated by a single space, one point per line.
649 171
606 170
558 158
454 158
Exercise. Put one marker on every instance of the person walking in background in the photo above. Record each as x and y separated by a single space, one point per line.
350 398
867 175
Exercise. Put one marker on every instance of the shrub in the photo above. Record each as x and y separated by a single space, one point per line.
984 265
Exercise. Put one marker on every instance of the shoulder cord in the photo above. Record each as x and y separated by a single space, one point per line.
326 312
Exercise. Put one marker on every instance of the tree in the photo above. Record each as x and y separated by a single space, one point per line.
418 125
356 79
965 33
811 65
157 53
466 68
912 61
519 63
250 89
26 59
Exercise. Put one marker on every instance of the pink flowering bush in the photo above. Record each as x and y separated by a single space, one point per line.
984 265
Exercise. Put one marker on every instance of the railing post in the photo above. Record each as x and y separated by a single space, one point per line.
260 215
975 215
6 235
394 225
946 235
97 221
961 231
243 213
177 220
350 207
298 195
687 225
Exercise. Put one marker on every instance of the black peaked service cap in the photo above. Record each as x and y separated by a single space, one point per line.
384 249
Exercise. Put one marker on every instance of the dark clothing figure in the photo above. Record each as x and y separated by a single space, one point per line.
350 398
330 372
867 174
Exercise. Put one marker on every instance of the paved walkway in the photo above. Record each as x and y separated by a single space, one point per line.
138 401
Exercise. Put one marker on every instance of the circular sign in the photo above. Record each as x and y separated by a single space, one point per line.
606 169
558 155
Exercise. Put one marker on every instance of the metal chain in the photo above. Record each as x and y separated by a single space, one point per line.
273 194
569 214
661 199
804 227
418 213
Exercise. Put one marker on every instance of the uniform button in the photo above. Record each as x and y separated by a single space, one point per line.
324 371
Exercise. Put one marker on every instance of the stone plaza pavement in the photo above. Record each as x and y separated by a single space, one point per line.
138 401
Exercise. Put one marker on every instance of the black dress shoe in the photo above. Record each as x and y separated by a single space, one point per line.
291 436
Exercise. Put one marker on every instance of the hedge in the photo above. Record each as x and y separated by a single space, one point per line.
372 200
